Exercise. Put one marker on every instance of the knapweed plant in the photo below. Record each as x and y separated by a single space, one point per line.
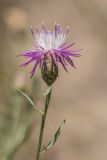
50 50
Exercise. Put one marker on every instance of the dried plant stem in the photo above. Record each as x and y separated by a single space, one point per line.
42 125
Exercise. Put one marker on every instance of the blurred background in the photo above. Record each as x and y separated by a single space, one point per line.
80 97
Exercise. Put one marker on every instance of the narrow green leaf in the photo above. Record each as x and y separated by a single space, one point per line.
28 98
47 91
54 139
30 101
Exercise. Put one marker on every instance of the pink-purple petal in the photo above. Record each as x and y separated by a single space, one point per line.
61 54
68 46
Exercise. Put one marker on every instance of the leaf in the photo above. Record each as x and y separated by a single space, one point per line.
31 102
48 91
55 137
27 97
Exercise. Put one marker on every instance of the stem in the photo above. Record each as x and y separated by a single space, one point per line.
42 125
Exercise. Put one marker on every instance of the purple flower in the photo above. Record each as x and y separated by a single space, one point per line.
50 44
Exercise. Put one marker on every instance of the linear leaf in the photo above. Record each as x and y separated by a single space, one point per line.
54 139
27 97
47 91
30 101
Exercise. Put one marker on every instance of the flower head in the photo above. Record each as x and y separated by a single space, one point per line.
51 48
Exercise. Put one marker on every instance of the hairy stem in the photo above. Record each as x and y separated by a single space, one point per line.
42 125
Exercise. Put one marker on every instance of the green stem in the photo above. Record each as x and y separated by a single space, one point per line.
42 125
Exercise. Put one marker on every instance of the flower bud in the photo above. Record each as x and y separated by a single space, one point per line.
49 70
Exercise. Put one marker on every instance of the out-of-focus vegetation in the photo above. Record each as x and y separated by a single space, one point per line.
16 117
